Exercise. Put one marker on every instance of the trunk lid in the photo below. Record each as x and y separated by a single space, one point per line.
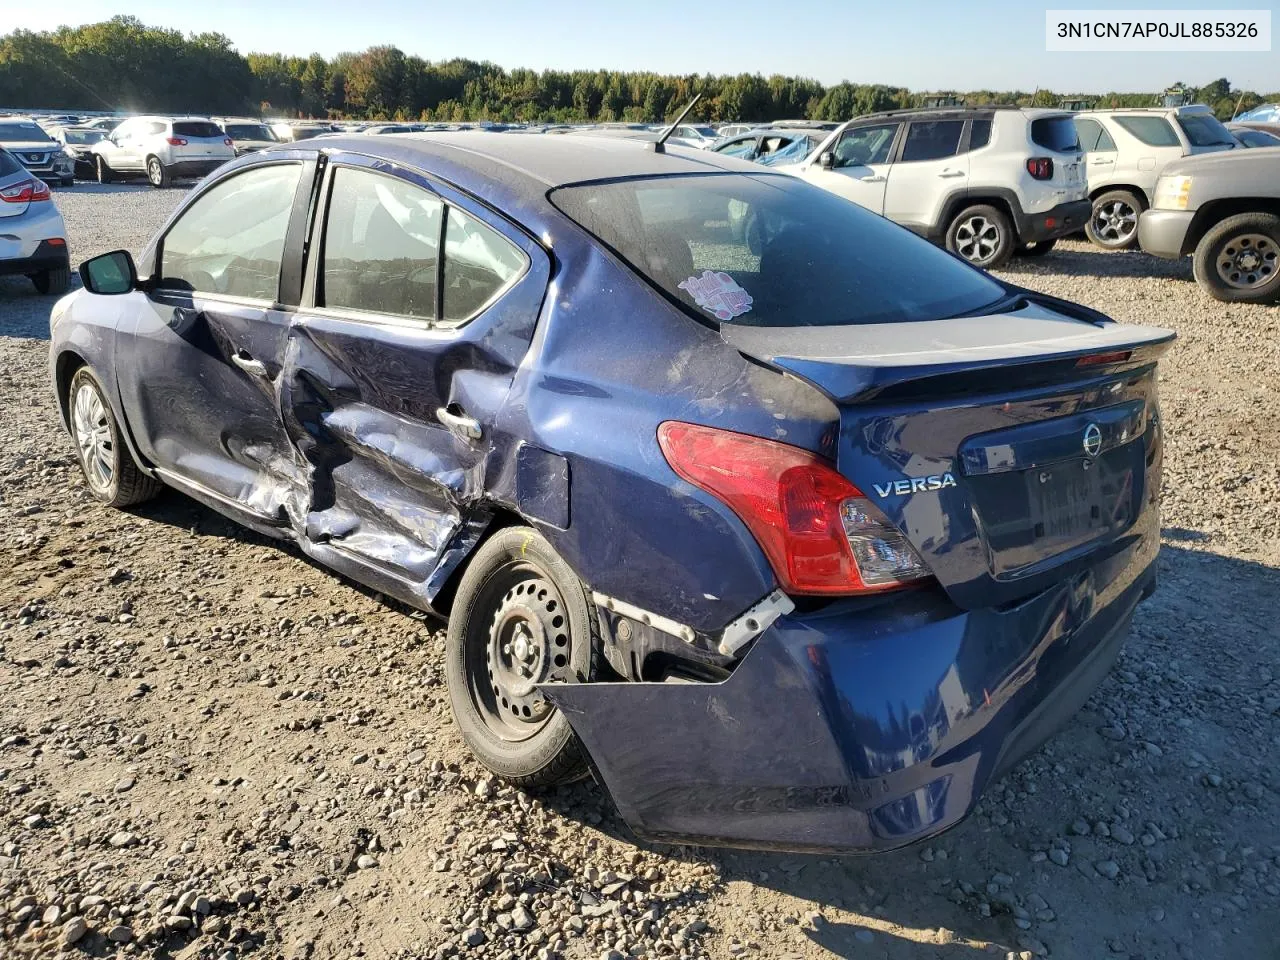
1011 449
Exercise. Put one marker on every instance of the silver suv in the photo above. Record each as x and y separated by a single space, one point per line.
1126 150
162 149
986 182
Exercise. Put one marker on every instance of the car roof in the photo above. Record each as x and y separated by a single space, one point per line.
1185 110
533 164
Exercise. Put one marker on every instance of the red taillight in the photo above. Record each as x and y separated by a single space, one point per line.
175 141
820 534
28 191
1095 359
227 141
1040 167
56 242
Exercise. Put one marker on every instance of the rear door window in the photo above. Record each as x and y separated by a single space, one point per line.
1153 131
479 263
381 244
230 241
1055 133
1093 136
979 134
931 140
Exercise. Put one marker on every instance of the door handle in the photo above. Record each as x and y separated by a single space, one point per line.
459 424
1099 163
876 179
255 368
951 173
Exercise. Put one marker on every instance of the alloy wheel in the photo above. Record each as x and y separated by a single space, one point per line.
155 173
93 437
1115 222
527 644
977 239
1247 261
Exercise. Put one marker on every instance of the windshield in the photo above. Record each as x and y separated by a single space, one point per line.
1203 130
774 251
22 133
248 131
82 136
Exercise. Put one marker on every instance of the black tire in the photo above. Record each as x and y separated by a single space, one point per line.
1037 249
67 182
517 582
983 235
1238 260
52 281
1113 221
127 484
157 173
103 170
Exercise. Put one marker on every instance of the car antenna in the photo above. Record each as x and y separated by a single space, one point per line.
658 146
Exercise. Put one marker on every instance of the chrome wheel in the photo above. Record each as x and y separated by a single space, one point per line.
977 239
1115 222
527 644
1247 261
155 172
93 437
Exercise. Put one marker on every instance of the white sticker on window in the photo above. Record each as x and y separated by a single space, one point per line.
718 293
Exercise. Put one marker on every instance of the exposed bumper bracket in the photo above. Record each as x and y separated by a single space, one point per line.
754 622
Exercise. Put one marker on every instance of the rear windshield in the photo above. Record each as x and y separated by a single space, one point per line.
1055 133
22 132
248 131
1203 130
8 165
1153 131
774 251
197 128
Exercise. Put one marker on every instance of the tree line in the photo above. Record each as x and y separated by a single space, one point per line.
124 65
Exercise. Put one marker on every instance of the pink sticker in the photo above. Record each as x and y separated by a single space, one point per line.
718 293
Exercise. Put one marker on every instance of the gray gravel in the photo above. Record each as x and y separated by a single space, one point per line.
185 704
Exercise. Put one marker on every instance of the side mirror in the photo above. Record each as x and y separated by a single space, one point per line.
826 160
110 274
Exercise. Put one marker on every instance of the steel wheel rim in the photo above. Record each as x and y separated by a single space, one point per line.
977 239
1248 261
1115 222
525 642
154 171
93 436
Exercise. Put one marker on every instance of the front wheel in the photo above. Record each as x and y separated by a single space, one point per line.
157 172
982 235
67 182
521 617
103 170
1238 261
110 472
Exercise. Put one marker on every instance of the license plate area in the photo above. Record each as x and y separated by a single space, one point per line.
1065 501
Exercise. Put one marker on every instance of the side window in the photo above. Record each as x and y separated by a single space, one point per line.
478 263
1089 131
154 128
124 130
865 145
931 140
1153 131
381 243
979 134
230 241
739 148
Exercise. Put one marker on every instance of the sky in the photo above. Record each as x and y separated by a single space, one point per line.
923 45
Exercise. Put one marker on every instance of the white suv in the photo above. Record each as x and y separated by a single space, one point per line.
1126 150
162 149
988 182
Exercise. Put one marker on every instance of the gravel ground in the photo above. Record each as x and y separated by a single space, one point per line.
210 747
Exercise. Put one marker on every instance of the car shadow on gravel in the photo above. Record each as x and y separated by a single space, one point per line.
1130 264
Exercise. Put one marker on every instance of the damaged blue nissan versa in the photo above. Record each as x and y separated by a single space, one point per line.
792 528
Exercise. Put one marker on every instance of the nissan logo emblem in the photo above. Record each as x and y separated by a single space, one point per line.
1092 440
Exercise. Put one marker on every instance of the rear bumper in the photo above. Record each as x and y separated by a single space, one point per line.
857 730
195 168
46 257
1163 233
1064 219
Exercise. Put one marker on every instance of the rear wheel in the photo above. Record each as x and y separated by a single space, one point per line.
1037 249
1113 223
1238 260
982 235
52 281
157 172
520 618
110 472
103 170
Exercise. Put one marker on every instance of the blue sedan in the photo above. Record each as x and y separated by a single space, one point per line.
795 543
